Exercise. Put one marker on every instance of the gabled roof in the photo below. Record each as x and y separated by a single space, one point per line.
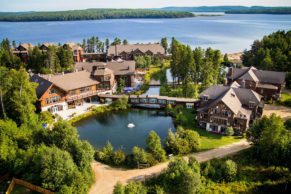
43 85
233 98
118 49
27 46
118 67
72 81
254 74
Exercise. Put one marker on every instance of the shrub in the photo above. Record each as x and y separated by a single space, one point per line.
139 155
220 171
193 139
230 170
229 131
180 178
154 146
135 188
180 119
118 157
120 104
105 154
118 188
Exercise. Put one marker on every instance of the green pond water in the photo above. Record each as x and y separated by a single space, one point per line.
113 127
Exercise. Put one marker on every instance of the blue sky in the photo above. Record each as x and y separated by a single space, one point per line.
46 5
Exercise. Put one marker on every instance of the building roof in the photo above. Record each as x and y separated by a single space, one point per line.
154 48
27 46
118 68
47 44
253 74
73 46
233 98
43 84
103 71
72 81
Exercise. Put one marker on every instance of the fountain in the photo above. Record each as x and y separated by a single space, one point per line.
130 125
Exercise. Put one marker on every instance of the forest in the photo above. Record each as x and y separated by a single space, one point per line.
91 14
270 53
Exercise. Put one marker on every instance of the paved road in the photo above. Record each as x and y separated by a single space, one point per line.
106 177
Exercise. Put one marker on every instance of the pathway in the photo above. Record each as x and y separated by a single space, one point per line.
282 111
106 177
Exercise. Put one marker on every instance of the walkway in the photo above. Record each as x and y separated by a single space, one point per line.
67 114
106 177
282 111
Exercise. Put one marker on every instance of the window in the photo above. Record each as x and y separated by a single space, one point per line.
53 91
47 101
152 100
73 92
251 104
205 98
86 89
55 99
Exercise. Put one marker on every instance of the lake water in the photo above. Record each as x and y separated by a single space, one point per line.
112 126
230 32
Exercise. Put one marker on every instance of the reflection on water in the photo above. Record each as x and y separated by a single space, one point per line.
112 126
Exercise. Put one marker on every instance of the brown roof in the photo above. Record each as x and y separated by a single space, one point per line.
154 48
118 68
233 98
73 46
253 74
104 71
27 46
71 81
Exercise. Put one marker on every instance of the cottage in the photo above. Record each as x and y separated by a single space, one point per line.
77 51
128 52
22 51
225 106
266 83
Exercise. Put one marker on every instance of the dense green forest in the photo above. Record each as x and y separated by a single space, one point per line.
270 53
274 10
91 14
232 9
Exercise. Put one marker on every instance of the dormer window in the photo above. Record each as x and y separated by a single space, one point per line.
52 91
251 104
205 98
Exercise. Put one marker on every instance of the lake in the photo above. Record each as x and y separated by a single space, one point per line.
229 33
112 126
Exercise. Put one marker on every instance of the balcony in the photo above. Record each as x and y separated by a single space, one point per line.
83 95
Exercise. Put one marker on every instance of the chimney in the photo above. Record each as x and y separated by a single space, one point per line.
115 49
243 83
225 81
230 72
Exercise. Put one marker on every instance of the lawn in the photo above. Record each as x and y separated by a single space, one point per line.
285 100
208 140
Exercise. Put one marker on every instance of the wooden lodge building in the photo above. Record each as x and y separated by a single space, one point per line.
267 83
63 91
22 51
121 70
224 106
128 52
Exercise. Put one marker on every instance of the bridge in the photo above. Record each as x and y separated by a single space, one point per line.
152 101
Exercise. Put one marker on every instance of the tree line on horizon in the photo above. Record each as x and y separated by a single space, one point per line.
92 14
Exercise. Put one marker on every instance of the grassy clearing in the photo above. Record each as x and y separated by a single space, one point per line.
285 100
208 140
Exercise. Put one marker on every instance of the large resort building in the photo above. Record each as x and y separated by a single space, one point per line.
267 83
128 52
224 106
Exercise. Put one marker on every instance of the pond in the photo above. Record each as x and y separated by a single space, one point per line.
113 127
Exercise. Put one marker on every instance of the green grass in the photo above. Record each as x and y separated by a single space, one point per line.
285 100
208 140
